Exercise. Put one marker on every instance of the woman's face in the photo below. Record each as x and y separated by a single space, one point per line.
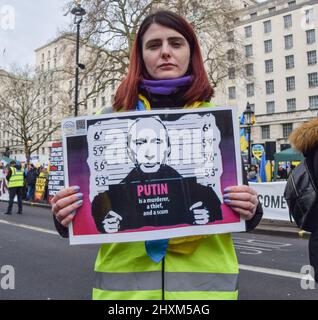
166 53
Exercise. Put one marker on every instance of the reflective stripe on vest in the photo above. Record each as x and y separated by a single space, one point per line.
174 281
16 179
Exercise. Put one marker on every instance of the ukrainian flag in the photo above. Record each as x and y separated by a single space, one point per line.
243 136
243 140
265 171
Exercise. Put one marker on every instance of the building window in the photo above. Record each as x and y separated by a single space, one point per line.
288 23
248 31
55 52
253 15
288 41
250 89
311 36
267 26
248 50
230 36
312 57
270 87
269 66
94 103
232 93
231 73
249 68
287 129
270 107
313 79
290 83
103 102
265 132
291 3
231 55
291 105
272 9
49 55
42 57
309 16
268 46
313 102
290 63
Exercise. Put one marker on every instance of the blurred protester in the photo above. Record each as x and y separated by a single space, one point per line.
305 139
31 176
15 178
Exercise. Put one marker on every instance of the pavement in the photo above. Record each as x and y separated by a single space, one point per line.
266 226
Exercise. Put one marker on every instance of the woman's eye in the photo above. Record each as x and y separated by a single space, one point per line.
153 46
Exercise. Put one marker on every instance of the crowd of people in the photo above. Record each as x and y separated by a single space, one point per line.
30 173
283 172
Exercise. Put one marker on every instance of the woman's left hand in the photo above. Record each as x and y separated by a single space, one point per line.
242 199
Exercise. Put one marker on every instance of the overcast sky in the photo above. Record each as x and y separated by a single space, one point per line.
35 23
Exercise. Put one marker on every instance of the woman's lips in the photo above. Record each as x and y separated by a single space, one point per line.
167 66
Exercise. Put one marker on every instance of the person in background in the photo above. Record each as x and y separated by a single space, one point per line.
305 139
31 176
15 179
252 174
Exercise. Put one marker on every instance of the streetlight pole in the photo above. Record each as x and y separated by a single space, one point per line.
249 122
78 13
29 144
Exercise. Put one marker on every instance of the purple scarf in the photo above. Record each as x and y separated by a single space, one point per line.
165 87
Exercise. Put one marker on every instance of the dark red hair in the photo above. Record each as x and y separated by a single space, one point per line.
127 93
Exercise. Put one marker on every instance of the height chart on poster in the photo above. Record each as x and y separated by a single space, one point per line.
56 177
152 175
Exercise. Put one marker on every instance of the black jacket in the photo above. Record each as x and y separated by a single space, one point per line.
305 139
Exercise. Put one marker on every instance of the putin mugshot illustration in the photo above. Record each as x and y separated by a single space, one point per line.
153 195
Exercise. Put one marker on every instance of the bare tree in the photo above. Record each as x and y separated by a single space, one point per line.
27 107
109 29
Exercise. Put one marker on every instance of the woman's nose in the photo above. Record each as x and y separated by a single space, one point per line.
165 50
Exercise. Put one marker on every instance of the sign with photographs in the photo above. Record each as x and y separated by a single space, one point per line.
149 175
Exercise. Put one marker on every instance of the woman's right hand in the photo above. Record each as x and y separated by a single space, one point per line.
65 203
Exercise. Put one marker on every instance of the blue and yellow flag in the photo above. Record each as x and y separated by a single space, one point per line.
265 170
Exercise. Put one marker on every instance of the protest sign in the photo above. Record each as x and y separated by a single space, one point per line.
152 175
40 188
271 196
4 194
56 176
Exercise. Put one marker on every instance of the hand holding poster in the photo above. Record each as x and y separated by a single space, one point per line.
152 175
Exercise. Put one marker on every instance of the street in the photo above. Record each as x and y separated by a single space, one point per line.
46 267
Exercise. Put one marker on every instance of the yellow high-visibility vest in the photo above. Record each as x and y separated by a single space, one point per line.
16 179
123 271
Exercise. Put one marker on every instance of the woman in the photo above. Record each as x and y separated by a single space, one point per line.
166 70
305 139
